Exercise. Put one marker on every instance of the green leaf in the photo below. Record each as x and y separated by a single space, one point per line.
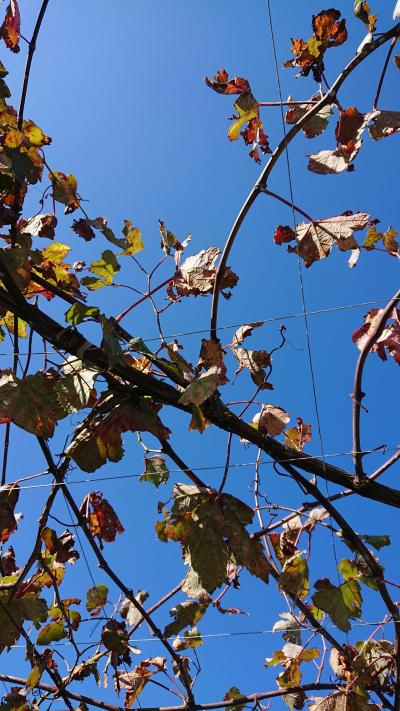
341 603
100 440
232 694
294 577
357 570
133 238
80 312
156 470
203 386
34 677
96 598
212 531
106 267
377 542
190 640
52 632
65 190
186 614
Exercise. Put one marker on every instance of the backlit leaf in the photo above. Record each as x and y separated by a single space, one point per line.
186 614
79 312
53 632
309 55
156 470
100 439
96 598
341 603
65 190
103 522
10 29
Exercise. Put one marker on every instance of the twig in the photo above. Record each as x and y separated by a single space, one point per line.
251 698
373 334
31 51
382 77
329 96
143 298
114 577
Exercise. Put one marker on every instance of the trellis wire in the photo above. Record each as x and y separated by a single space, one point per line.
236 465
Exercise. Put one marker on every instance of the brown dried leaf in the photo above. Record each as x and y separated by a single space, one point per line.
271 420
384 123
316 125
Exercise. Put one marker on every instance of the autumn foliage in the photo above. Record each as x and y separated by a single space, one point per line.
120 390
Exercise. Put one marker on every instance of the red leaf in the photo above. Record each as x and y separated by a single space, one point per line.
284 233
103 521
222 85
10 29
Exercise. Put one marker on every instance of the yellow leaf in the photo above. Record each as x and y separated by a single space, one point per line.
8 321
244 117
56 252
313 46
134 238
35 135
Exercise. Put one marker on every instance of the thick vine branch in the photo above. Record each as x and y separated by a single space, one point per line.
71 341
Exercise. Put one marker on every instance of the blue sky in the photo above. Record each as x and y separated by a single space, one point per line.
119 87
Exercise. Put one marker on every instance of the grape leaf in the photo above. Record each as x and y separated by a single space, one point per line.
156 470
10 29
309 55
96 598
341 603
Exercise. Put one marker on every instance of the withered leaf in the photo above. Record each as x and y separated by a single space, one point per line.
315 240
134 682
316 124
329 162
254 362
271 420
10 29
203 386
41 225
328 32
8 501
297 437
244 332
211 529
384 123
389 340
102 520
248 114
99 439
196 276
65 190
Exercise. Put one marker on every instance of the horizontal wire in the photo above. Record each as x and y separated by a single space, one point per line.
90 480
328 309
216 635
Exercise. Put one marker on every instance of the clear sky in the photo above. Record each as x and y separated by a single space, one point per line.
119 87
